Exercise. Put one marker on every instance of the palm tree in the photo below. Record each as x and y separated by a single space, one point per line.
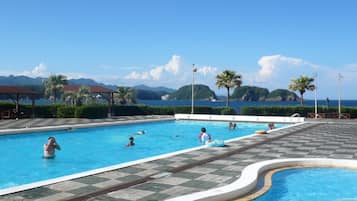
83 95
54 85
70 98
125 95
228 79
302 84
79 97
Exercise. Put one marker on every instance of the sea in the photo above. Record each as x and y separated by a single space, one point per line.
236 105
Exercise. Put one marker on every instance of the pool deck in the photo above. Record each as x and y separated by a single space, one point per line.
197 170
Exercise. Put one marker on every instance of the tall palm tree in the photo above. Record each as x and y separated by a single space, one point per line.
228 79
83 95
54 85
70 98
302 84
79 97
125 95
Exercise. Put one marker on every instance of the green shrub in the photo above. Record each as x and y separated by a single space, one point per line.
127 110
162 110
66 112
289 110
6 106
227 111
91 111
47 111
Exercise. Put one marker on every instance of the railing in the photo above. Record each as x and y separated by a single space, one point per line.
330 115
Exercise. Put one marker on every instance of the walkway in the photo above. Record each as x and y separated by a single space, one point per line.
203 169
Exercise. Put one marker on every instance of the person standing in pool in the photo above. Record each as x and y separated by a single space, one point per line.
271 126
131 142
232 126
204 137
50 148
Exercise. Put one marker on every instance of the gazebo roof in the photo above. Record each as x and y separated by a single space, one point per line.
93 89
15 90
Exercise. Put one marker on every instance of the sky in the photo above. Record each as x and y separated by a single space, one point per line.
156 42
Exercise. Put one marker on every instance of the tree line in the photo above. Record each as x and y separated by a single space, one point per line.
227 79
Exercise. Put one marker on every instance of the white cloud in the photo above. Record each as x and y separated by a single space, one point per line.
137 76
270 64
276 71
156 73
174 64
38 71
207 70
172 67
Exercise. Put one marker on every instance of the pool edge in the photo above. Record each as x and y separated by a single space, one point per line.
122 165
250 174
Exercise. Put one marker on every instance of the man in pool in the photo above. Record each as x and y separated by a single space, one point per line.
50 147
232 125
131 142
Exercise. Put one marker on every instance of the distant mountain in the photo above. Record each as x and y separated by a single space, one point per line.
141 91
29 81
156 89
201 92
20 80
250 93
282 95
144 92
148 95
86 81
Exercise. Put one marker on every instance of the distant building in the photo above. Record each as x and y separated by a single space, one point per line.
165 97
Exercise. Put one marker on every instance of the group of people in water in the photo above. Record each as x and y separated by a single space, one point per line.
131 138
50 148
204 138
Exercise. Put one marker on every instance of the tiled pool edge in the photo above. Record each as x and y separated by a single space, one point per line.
110 168
240 118
187 166
75 126
250 174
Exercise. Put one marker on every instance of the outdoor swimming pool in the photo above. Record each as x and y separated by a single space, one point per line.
91 148
313 184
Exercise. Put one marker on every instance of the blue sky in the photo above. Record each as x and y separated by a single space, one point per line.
156 42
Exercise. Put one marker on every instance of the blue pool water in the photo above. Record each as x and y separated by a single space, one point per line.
307 184
21 159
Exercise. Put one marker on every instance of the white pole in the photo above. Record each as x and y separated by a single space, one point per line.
193 83
315 76
339 94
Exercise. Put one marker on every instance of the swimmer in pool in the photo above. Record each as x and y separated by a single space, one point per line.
50 148
271 126
131 142
142 132
232 125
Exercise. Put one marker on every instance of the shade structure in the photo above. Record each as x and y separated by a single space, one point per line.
94 89
17 91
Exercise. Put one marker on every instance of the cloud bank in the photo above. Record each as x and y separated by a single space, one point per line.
38 71
270 65
172 67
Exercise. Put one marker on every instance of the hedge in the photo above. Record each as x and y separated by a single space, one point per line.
121 110
66 112
47 111
91 111
289 110
101 110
